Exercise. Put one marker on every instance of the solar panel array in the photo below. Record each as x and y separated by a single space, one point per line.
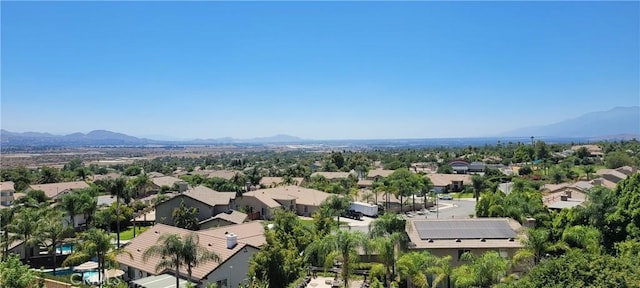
472 229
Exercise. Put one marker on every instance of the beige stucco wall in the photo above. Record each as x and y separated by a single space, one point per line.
235 269
165 209
257 205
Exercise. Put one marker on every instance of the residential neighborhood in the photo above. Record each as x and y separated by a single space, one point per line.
436 210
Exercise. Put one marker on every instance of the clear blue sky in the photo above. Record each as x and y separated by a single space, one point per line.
321 70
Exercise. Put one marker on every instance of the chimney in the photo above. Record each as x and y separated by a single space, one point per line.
530 222
232 240
182 186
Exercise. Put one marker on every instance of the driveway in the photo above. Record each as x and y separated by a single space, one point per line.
457 208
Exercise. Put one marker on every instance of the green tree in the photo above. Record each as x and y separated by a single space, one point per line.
185 217
414 266
337 204
117 187
49 175
404 183
617 159
93 243
193 254
588 170
281 260
342 246
387 248
16 275
484 271
50 232
24 227
169 248
140 184
478 185
6 217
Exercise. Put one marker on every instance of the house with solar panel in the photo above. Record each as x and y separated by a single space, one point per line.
454 237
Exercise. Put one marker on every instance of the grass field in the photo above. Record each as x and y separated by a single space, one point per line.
128 234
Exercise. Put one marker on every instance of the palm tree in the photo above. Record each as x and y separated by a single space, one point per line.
337 205
170 248
117 187
342 245
588 170
141 184
536 244
93 243
195 254
478 184
414 266
386 248
71 204
484 271
6 217
51 231
442 271
24 226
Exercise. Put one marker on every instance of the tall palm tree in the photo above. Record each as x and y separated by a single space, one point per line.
170 248
93 243
342 245
117 187
50 232
195 254
71 204
387 248
24 226
6 217
478 184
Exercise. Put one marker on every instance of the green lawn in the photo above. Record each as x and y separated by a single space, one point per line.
128 234
462 195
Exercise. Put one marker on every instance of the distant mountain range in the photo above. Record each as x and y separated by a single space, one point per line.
104 137
617 122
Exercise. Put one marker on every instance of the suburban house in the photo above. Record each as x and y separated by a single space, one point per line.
443 183
167 181
610 177
454 237
270 182
464 167
261 203
208 203
55 191
227 218
378 174
17 247
235 245
6 193
567 196
332 175
594 150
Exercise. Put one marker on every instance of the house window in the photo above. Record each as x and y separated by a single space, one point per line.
461 252
222 283
503 253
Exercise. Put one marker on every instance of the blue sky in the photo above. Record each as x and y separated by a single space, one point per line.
321 70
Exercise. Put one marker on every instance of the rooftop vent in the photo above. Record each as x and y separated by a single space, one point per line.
232 240
483 240
458 240
511 239
430 241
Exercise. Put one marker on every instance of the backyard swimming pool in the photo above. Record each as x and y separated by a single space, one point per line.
64 249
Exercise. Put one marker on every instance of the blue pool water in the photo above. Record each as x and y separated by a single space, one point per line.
64 249
69 271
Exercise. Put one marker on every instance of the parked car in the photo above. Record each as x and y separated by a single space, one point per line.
446 197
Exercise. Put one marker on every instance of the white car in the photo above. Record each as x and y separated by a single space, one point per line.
446 197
